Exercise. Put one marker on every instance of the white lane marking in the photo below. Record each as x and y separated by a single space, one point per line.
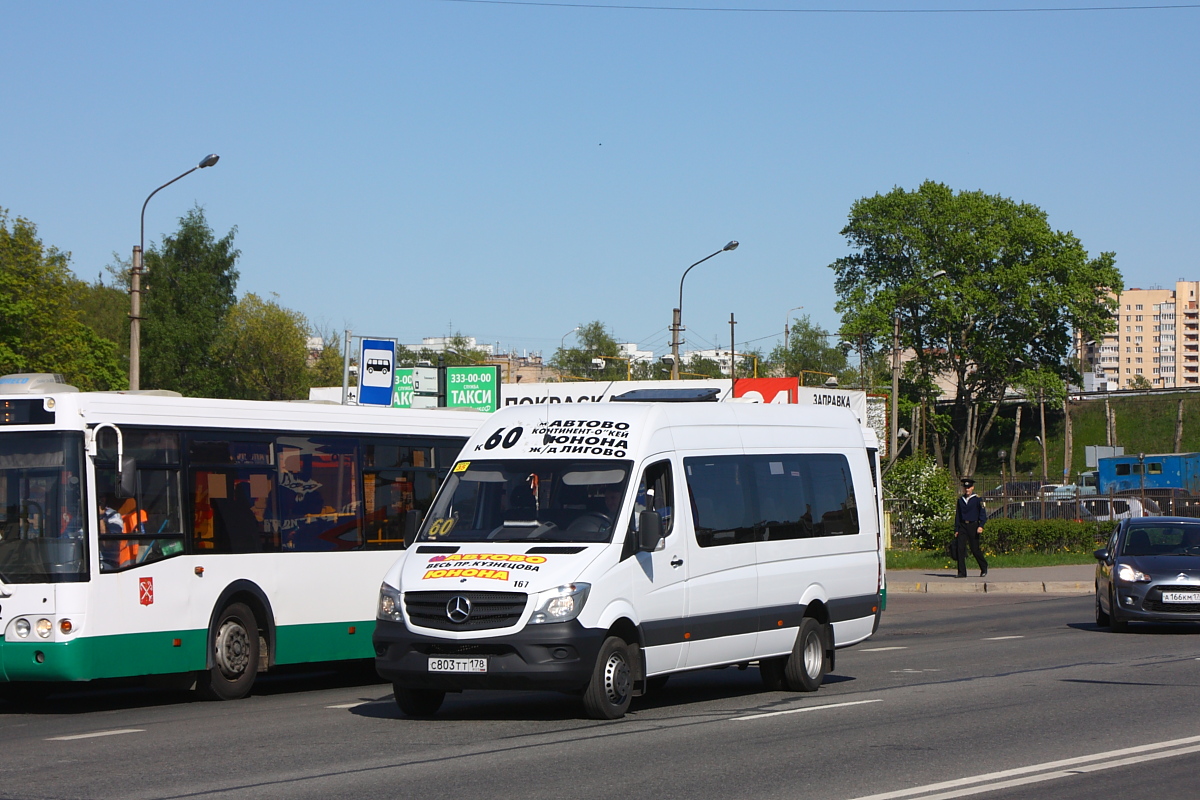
879 649
964 786
350 705
1001 638
95 734
802 710
915 670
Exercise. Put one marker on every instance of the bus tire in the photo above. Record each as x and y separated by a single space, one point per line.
418 702
805 667
610 690
235 655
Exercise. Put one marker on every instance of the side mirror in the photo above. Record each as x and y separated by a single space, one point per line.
412 521
128 477
1101 554
649 531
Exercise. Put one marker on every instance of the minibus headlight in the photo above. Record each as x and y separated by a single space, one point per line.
21 628
389 604
44 628
560 605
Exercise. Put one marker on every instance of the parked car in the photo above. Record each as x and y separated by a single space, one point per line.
1149 571
1014 489
1105 509
1044 509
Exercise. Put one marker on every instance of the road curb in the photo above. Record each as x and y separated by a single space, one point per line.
1070 587
992 587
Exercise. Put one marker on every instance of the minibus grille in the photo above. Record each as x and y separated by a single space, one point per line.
487 609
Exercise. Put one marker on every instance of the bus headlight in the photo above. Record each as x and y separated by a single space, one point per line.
21 628
560 605
389 604
44 628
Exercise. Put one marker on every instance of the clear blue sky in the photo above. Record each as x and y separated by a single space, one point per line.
509 171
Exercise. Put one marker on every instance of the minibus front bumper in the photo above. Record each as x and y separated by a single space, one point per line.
556 656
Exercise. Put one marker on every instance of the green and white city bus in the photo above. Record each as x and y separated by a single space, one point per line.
151 534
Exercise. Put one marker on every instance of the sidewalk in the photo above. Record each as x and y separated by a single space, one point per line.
1068 579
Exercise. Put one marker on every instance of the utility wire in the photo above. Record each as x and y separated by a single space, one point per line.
1026 10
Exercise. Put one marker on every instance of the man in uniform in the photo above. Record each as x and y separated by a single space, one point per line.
969 518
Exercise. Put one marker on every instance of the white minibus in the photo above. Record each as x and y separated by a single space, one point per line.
599 548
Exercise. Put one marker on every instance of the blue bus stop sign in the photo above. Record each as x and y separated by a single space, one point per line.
376 365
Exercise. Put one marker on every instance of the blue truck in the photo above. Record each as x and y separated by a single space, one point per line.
1162 471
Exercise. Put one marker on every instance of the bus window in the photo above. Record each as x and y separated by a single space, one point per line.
393 485
318 487
151 521
233 500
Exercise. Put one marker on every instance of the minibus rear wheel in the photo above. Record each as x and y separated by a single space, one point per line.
805 669
418 702
610 690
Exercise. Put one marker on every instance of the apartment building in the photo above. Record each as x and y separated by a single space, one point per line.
1157 336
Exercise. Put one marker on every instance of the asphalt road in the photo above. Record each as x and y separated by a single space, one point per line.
993 696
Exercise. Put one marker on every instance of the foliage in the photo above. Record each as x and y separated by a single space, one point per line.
262 351
810 347
189 285
1140 382
41 329
1025 536
1013 292
105 309
327 369
593 341
926 492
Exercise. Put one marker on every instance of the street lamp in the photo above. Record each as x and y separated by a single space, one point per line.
676 318
135 283
896 369
786 320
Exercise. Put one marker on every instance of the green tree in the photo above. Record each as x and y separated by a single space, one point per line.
326 370
190 283
1140 382
105 309
593 341
262 350
1013 291
810 347
40 325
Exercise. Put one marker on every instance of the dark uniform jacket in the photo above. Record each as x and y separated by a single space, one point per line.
969 514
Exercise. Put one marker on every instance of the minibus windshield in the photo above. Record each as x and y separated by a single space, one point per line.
530 500
41 510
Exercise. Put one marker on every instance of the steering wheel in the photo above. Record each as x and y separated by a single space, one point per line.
590 522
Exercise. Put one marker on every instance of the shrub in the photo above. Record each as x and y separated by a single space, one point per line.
925 494
1025 536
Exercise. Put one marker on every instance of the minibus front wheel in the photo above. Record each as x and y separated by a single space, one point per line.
610 690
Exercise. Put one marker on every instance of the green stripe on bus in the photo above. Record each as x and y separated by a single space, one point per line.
326 641
91 657
131 654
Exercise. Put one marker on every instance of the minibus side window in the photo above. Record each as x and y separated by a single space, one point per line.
655 494
720 490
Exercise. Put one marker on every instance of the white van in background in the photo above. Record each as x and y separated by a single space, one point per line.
599 548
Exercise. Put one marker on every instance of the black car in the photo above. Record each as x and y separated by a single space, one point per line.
1149 571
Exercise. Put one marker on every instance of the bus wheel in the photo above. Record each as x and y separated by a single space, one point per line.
418 702
805 669
610 691
235 655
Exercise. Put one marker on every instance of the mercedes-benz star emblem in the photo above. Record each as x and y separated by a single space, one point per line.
458 608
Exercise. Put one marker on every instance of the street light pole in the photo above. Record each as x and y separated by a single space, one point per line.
135 283
677 316
787 319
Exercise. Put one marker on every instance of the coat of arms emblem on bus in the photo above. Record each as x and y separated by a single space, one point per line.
146 591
